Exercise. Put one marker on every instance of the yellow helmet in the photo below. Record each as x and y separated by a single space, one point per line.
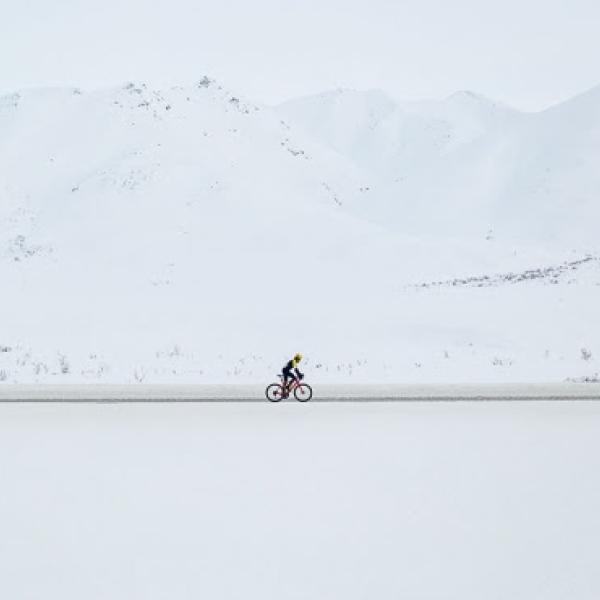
297 356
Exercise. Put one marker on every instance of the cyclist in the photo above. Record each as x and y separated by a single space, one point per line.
292 365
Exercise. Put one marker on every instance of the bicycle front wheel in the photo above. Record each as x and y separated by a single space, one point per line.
274 392
303 392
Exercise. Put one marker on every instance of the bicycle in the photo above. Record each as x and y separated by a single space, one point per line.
276 391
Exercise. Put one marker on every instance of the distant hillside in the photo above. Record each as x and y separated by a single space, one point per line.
468 165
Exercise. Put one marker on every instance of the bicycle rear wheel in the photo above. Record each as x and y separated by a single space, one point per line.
274 392
303 392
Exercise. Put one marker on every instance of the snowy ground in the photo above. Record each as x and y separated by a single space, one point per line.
455 501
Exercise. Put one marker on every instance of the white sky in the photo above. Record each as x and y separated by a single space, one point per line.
529 53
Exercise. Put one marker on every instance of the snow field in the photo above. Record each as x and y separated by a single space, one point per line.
456 501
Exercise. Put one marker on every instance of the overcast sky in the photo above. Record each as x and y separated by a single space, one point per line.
529 53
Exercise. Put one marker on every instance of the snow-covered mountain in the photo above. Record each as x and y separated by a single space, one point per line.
469 165
190 234
393 139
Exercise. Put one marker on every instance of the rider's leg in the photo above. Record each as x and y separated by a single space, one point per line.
286 375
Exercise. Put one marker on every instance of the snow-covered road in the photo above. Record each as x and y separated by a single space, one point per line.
322 393
248 500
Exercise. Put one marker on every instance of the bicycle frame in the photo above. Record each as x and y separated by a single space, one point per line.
291 386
